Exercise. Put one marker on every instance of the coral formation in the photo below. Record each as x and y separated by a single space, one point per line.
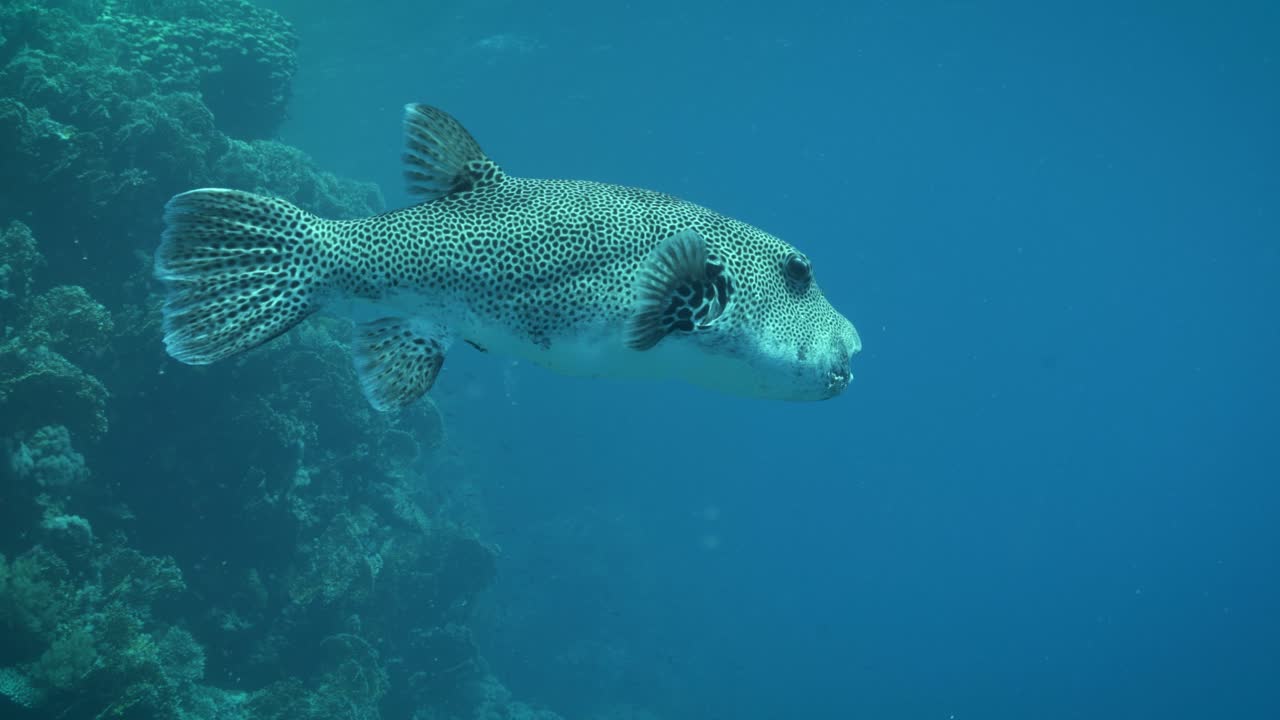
111 106
48 459
88 634
39 386
19 260
313 562
246 541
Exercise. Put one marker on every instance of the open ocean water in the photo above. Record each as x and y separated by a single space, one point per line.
1050 492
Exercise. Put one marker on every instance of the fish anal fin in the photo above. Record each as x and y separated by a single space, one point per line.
397 360
441 157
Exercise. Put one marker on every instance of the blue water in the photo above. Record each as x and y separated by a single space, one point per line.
1050 491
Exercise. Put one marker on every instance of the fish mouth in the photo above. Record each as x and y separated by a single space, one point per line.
837 380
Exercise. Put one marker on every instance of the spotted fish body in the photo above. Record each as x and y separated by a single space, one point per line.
582 277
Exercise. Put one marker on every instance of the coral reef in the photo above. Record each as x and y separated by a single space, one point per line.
85 632
39 385
19 260
248 540
112 106
48 459
308 556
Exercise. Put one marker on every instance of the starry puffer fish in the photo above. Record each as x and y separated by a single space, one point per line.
581 277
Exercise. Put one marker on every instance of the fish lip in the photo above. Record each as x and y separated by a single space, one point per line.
837 380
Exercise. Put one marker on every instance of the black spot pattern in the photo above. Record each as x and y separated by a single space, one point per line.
488 255
396 364
698 305
240 268
441 157
543 258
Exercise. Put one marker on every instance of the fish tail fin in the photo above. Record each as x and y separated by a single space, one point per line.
239 269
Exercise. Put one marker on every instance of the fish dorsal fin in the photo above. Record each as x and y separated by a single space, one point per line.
397 360
441 157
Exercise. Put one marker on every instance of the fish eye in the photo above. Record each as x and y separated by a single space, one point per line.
797 268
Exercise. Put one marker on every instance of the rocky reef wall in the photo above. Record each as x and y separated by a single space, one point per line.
243 541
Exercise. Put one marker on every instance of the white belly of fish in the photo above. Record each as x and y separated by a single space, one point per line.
594 350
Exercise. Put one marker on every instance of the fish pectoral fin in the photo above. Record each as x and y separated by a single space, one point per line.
397 360
441 157
681 288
